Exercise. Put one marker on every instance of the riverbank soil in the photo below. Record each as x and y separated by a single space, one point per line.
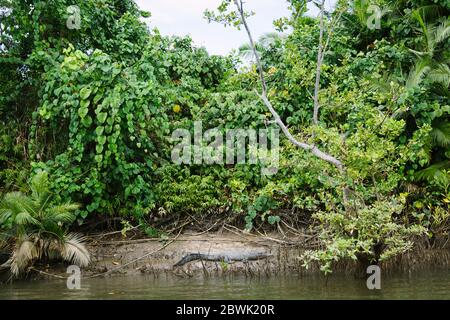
219 253
257 255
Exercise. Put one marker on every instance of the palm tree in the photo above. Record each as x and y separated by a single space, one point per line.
264 42
431 62
32 228
246 52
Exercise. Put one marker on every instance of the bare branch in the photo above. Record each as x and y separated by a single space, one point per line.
320 56
319 65
333 24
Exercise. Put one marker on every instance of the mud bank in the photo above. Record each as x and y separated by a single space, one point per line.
277 257
114 257
274 257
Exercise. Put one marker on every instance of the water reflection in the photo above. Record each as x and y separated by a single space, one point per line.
424 285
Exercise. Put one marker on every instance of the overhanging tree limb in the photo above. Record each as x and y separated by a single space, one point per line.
316 151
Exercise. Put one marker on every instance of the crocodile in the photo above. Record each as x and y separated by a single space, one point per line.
224 257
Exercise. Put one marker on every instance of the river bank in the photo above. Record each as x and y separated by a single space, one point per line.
222 253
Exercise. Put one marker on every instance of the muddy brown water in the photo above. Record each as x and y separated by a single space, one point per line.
428 284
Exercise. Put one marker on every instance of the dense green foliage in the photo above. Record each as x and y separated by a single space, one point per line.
94 107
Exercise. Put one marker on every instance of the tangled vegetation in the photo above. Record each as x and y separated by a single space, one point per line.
95 108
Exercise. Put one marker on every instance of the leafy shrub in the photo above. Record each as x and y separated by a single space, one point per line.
113 124
369 235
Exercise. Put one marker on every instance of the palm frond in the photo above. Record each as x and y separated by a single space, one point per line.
441 133
416 14
269 39
40 189
440 74
16 202
39 182
24 218
246 52
434 34
417 74
5 215
442 32
73 250
435 174
429 12
360 8
24 253
62 213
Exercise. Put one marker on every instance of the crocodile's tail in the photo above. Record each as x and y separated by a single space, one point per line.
188 258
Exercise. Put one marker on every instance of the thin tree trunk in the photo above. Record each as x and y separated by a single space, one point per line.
316 151
319 66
